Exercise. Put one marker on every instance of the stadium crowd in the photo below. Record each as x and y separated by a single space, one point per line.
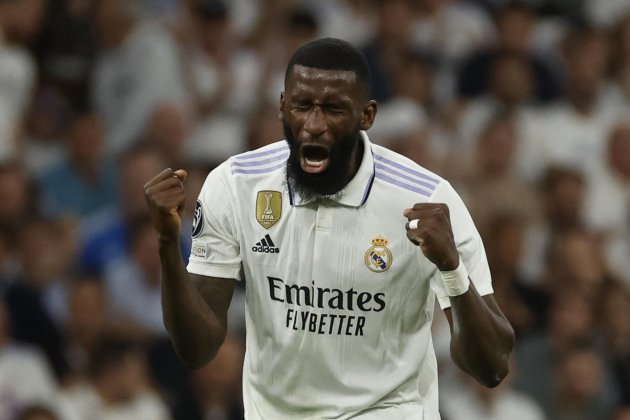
523 106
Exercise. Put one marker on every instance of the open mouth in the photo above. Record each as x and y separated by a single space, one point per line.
314 158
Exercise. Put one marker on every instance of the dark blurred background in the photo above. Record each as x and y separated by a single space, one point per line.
523 106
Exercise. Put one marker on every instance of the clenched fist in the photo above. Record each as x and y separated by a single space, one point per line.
429 227
165 198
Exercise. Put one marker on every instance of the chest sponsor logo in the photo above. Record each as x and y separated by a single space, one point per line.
268 208
323 310
266 246
378 257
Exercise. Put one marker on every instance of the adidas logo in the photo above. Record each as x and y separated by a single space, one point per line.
266 246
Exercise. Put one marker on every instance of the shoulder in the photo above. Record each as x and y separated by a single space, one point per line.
399 171
249 169
260 162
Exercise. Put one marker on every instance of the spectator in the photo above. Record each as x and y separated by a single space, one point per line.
579 385
516 23
573 133
117 387
20 21
222 77
168 131
106 235
542 358
137 69
84 183
490 184
609 182
562 192
218 385
25 376
133 283
36 299
475 402
385 50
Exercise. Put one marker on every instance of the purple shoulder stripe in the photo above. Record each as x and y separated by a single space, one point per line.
262 162
259 171
254 155
401 184
406 169
384 168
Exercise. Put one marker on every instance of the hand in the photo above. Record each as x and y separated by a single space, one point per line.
165 198
434 234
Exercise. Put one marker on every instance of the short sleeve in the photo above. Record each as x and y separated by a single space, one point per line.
215 249
468 242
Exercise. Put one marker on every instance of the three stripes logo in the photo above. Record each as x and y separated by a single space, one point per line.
266 246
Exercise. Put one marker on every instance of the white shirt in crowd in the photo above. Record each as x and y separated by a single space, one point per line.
17 78
131 80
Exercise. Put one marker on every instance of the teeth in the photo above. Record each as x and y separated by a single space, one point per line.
315 163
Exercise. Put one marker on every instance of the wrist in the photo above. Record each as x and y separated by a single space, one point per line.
456 282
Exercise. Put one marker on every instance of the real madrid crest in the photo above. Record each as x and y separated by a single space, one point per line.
378 257
268 208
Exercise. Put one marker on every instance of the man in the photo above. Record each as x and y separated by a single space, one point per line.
339 298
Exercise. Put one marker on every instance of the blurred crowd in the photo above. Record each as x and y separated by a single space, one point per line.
523 106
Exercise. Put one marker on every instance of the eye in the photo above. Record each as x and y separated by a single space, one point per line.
301 105
335 109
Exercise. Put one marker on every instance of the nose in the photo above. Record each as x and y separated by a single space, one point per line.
315 124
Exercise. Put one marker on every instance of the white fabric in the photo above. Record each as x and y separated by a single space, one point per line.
130 81
506 404
17 78
86 404
565 137
605 186
25 378
301 363
132 297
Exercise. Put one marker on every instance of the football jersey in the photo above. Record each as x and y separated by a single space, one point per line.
339 302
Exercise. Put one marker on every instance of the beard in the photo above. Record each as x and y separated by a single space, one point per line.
328 184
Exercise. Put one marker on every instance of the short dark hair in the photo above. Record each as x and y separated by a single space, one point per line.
331 54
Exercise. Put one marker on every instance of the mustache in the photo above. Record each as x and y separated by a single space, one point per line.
328 183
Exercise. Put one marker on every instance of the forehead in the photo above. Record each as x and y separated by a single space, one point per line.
313 81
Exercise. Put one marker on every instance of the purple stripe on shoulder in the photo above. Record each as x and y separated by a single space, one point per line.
259 162
408 187
254 155
406 169
259 171
406 177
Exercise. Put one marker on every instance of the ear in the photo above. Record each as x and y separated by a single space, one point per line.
368 115
282 106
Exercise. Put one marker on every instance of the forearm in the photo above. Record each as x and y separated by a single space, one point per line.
196 331
482 338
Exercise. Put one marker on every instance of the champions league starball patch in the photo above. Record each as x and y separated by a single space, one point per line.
378 257
197 225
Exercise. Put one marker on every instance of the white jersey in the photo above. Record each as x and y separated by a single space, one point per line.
339 303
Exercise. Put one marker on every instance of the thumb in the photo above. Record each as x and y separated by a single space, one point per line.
181 174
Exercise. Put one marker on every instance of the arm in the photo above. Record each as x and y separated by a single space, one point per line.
482 338
194 307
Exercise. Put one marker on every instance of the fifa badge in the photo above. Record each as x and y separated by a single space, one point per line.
268 208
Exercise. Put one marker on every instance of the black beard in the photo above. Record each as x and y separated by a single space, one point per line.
329 183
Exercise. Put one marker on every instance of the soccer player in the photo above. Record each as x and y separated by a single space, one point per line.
344 247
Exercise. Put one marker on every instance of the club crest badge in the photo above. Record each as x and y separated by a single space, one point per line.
268 208
197 225
378 257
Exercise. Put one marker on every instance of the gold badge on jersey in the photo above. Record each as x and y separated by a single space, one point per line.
268 208
378 257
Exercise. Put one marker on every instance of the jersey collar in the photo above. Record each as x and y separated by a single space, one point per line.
356 193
